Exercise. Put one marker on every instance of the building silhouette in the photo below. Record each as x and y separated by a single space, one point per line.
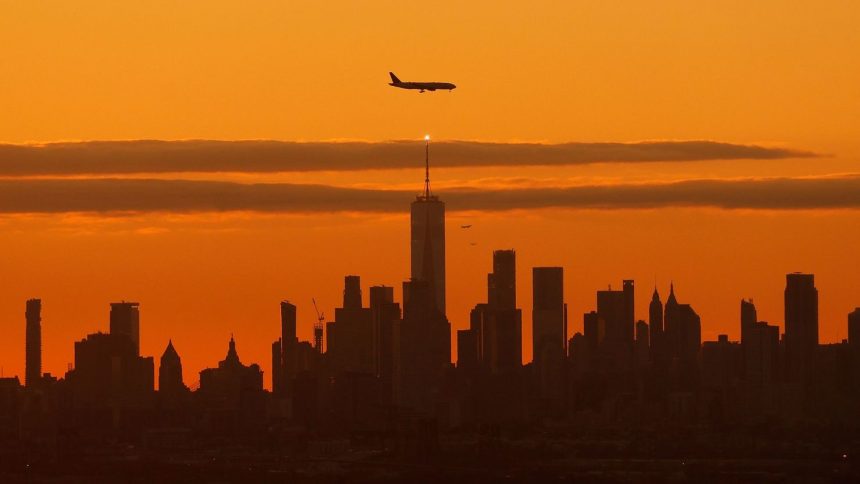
683 339
672 325
231 401
749 317
642 345
854 327
424 353
33 348
170 372
428 239
592 330
284 350
549 333
111 387
655 327
721 364
801 324
385 315
351 334
278 378
498 323
125 322
759 349
231 375
425 348
616 328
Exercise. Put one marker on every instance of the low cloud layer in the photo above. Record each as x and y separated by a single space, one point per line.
146 156
184 196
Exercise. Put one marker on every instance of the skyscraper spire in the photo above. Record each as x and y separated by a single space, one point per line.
672 300
232 356
426 166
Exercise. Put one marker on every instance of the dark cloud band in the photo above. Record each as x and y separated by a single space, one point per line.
146 156
183 196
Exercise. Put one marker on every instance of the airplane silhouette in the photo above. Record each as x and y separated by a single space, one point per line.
421 86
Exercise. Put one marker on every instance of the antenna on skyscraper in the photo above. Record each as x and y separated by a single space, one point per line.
427 166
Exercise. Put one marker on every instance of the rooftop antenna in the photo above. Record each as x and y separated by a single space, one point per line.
426 166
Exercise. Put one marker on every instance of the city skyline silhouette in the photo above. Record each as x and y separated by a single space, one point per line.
237 247
418 246
383 375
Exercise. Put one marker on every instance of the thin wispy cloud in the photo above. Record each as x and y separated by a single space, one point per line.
204 156
186 196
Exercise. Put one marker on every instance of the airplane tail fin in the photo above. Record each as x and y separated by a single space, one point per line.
393 77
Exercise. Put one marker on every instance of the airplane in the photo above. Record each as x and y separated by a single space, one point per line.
421 86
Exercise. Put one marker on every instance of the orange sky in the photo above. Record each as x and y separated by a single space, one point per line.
770 72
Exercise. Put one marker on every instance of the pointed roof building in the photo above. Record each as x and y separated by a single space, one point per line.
232 358
170 371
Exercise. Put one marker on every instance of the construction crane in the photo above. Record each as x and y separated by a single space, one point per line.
318 328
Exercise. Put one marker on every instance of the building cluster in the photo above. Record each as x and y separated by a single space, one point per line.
384 370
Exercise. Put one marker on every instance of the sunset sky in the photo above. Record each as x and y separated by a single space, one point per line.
713 144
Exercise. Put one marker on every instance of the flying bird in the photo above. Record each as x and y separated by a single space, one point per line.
466 226
420 86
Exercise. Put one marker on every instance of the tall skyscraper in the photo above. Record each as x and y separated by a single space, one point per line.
615 313
549 334
170 372
351 292
502 347
33 348
761 355
682 335
425 348
691 335
501 283
592 330
385 314
750 335
288 322
655 327
683 338
351 334
425 333
629 307
671 325
801 324
277 368
428 238
288 347
749 317
125 321
109 378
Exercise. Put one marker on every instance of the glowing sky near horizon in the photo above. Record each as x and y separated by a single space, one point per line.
768 73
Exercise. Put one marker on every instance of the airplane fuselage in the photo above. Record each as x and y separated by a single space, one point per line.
424 86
